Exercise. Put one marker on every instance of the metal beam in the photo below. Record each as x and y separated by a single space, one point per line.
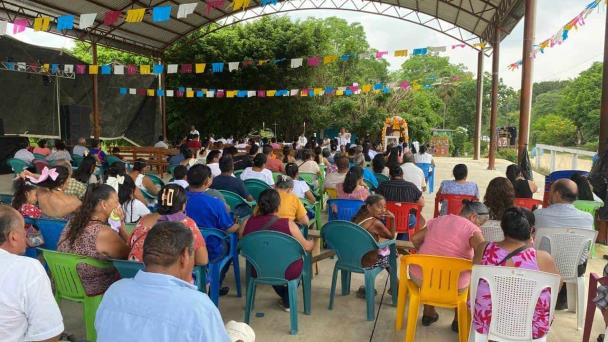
502 12
478 107
525 99
494 106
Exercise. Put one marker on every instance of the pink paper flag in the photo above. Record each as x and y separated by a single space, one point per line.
379 54
313 61
81 69
19 25
211 4
131 69
220 93
261 93
457 46
111 17
185 68
141 91
404 85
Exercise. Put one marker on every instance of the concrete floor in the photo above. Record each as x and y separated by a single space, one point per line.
346 322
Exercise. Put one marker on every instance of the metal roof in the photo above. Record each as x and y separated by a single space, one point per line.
477 17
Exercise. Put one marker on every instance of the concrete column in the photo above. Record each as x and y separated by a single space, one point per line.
96 113
478 107
525 104
494 106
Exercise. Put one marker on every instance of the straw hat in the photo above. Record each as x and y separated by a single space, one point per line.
238 331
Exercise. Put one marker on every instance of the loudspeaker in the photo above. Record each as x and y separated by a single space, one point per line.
8 147
75 123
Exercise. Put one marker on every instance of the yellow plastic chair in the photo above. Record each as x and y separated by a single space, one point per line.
439 288
331 193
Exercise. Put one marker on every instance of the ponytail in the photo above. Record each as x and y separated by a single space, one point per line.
21 187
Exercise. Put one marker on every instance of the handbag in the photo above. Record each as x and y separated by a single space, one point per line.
34 237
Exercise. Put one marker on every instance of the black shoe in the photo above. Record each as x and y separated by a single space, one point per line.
600 338
224 290
428 320
561 305
455 326
361 292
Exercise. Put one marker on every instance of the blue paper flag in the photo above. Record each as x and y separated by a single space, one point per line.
10 65
217 67
377 86
123 91
181 89
65 22
311 92
160 92
161 13
158 69
386 90
329 90
348 92
344 57
54 68
241 93
268 2
200 93
420 52
106 69
564 34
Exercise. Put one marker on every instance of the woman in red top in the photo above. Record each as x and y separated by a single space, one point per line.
25 200
265 218
172 203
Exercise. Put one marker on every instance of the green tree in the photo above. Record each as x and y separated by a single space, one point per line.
107 55
553 129
547 103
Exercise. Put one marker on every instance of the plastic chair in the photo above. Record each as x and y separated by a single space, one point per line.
429 175
261 250
342 209
227 255
555 175
68 285
515 292
439 287
6 199
369 185
255 187
351 242
129 268
528 203
402 211
39 156
51 230
156 180
234 201
594 282
170 169
331 193
381 178
454 203
237 173
492 231
314 207
275 176
588 206
17 165
567 246
76 160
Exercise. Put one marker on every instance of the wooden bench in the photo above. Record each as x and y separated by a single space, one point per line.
156 157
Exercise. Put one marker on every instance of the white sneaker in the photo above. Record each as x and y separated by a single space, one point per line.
286 309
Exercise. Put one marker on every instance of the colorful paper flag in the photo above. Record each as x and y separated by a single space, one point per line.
81 69
420 52
86 20
158 69
123 91
150 92
161 13
135 15
313 61
93 69
42 23
199 68
189 93
329 59
380 54
345 57
68 68
233 66
185 10
160 92
65 22
111 17
400 53
172 68
185 69
211 4
119 69
169 93
54 68
106 69
144 69
3 26
19 25
240 4
268 2
217 67
131 69
296 62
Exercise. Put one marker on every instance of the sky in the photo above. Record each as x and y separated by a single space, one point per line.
583 47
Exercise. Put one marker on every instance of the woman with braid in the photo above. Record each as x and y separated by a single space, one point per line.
172 203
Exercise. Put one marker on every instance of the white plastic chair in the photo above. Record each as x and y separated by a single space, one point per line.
568 246
514 292
492 231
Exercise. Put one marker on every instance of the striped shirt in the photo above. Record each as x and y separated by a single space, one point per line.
399 190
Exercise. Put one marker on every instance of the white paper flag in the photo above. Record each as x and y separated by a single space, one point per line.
132 91
185 10
233 66
210 93
294 92
251 93
119 69
87 20
21 66
296 62
3 27
68 68
172 69
169 93
436 48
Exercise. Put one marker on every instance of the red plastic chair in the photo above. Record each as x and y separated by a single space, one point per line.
402 211
594 281
454 202
528 203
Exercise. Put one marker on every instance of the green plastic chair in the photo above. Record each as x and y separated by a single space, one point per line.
113 159
17 165
129 268
261 250
311 178
39 156
237 173
589 207
76 160
156 180
314 207
370 186
381 178
351 242
170 169
275 175
255 187
234 200
68 285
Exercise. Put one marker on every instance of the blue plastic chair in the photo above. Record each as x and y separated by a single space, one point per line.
6 199
351 242
128 269
555 175
429 174
255 187
227 254
17 165
261 250
51 231
342 209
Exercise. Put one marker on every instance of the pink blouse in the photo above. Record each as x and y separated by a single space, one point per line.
360 193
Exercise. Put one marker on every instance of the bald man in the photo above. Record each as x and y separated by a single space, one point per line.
28 310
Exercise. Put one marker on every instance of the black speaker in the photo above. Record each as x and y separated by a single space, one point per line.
75 123
8 147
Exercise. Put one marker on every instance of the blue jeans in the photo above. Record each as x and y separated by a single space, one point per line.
411 222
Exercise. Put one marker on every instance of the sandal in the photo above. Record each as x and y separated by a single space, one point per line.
428 320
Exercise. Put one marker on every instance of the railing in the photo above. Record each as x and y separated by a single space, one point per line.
560 157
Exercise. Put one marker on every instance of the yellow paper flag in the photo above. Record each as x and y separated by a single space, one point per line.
366 88
262 61
42 23
238 4
44 68
199 68
93 69
229 94
150 92
317 91
329 59
271 93
135 15
189 93
144 69
400 53
339 92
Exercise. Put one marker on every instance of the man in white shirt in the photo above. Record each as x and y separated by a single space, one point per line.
193 131
413 173
213 161
161 143
343 137
28 310
81 148
561 213
302 141
258 171
25 155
